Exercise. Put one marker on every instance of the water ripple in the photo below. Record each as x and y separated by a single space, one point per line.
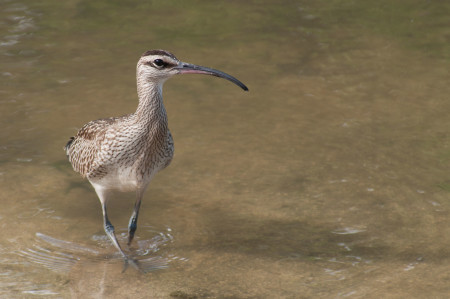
61 256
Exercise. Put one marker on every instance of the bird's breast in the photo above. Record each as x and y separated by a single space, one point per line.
129 159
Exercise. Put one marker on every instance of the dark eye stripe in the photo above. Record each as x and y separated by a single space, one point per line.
160 63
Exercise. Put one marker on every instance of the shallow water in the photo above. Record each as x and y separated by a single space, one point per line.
327 180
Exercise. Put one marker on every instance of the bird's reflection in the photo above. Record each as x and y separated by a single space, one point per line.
61 256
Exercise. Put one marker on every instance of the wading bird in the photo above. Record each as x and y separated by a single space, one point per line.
124 153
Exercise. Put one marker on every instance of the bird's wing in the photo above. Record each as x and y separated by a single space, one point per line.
83 149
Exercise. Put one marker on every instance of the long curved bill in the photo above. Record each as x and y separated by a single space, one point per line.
187 68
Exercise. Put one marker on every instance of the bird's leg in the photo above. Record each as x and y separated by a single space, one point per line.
132 225
109 228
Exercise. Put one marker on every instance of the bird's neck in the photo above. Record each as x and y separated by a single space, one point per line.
151 109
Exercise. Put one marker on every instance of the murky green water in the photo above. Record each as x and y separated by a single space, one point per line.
329 179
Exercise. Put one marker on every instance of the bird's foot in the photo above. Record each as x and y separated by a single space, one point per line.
130 238
130 261
145 265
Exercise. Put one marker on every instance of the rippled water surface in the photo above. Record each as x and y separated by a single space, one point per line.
329 179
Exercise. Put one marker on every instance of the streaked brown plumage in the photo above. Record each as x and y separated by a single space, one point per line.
124 153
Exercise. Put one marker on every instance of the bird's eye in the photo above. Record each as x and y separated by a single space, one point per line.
158 62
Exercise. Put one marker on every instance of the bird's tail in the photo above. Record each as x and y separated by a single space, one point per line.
69 143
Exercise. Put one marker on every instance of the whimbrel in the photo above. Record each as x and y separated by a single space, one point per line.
124 153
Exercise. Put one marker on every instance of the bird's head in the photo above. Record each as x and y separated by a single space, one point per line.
159 65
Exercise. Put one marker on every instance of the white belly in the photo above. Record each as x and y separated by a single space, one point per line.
123 179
